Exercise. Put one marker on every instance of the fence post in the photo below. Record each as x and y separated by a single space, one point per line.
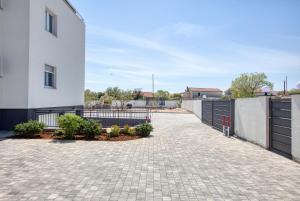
232 115
212 113
202 110
269 123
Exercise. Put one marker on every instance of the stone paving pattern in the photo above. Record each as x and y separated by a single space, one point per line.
182 160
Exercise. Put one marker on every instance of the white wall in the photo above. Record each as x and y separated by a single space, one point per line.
208 94
187 105
26 47
296 127
142 103
14 44
197 108
172 103
135 103
66 52
251 120
194 106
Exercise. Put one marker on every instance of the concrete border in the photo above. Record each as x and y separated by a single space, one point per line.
296 127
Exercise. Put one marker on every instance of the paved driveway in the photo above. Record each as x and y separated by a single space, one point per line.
183 160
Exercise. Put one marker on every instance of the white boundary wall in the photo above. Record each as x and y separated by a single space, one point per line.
194 106
251 120
296 127
142 103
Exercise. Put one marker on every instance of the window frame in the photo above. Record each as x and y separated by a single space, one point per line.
54 23
54 73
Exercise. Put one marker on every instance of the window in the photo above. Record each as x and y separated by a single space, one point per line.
1 4
51 22
50 77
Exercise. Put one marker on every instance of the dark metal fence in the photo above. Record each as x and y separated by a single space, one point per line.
107 117
280 126
214 112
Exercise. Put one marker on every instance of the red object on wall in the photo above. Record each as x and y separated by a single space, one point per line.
223 120
228 121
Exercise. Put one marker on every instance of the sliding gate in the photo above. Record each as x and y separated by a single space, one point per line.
280 126
214 112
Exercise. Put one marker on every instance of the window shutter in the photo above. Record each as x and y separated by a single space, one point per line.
1 4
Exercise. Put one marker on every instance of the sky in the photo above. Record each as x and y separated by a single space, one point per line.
196 43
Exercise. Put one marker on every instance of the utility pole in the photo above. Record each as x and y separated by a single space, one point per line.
286 84
284 87
153 84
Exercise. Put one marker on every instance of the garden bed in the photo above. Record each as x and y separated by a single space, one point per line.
73 127
49 135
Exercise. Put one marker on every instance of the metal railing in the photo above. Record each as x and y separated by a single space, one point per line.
107 117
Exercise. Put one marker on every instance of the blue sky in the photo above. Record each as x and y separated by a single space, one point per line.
199 43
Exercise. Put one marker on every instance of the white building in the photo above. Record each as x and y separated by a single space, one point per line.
199 93
42 51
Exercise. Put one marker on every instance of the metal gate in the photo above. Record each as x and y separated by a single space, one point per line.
280 126
213 112
207 108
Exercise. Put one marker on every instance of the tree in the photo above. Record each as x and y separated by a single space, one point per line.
137 94
106 99
125 95
294 91
246 85
162 94
175 96
114 92
90 96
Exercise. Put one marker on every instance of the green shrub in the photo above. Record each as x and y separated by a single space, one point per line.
59 132
144 130
29 129
294 91
90 129
70 123
115 131
128 130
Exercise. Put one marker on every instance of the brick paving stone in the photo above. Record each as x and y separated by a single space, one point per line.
183 159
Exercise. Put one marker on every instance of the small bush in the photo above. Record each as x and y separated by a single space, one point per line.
90 129
59 132
144 130
128 131
70 123
294 91
115 131
29 129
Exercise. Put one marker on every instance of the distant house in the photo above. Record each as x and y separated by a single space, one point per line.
259 92
147 95
195 93
42 58
149 98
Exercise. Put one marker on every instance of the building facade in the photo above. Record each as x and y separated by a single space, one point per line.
202 93
42 58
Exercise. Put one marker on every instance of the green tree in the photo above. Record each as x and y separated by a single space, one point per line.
90 96
125 95
294 91
137 94
114 92
247 84
162 94
175 96
106 99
